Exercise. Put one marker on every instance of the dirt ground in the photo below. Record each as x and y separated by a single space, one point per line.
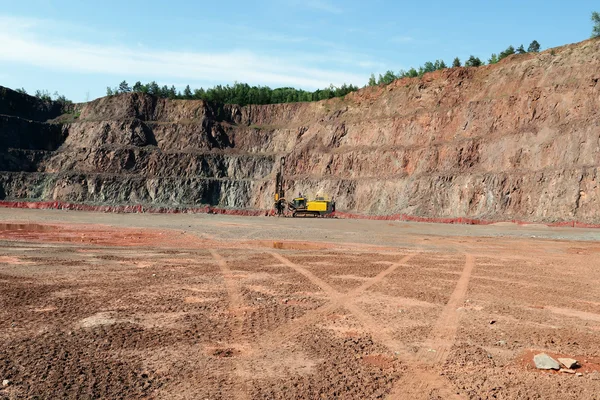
213 307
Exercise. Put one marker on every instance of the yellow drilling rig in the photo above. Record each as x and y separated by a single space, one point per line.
300 206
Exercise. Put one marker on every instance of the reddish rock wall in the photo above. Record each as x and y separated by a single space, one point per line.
519 140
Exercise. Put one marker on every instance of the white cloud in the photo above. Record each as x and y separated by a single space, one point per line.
21 43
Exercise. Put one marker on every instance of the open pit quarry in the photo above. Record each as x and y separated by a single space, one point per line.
204 306
518 140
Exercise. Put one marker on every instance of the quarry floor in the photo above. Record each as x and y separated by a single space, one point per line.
217 307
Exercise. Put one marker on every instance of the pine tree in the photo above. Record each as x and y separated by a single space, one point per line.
473 62
372 80
138 87
493 59
521 50
413 73
172 93
153 88
534 47
187 92
164 91
456 63
389 77
429 67
124 87
200 94
510 50
596 21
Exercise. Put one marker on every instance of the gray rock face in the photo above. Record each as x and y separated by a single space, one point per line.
544 361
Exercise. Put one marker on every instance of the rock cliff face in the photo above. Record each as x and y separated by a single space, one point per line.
515 140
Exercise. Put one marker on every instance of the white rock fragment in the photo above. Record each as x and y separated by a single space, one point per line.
567 371
568 362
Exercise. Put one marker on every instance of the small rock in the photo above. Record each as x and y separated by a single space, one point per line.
544 361
568 362
492 322
5 383
567 371
579 374
501 342
153 274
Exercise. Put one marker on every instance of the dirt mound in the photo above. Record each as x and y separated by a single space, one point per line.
517 140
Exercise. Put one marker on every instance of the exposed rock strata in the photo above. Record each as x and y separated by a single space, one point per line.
516 140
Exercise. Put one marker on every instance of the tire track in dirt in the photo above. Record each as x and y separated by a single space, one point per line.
240 384
442 336
417 383
379 332
233 287
294 327
424 379
326 287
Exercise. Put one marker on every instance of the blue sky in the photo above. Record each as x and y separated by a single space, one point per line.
78 47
